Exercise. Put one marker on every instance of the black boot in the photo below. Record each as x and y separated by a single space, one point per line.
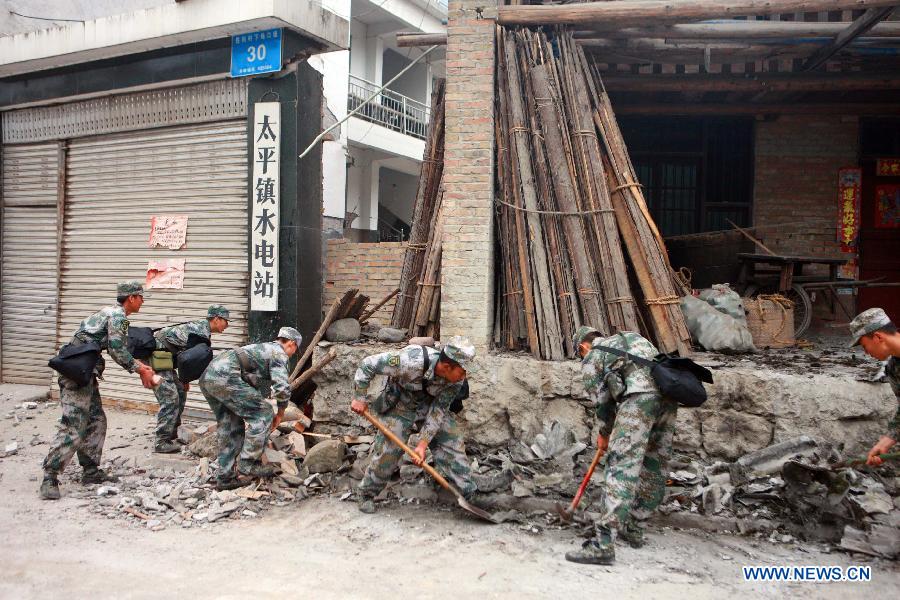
167 447
97 475
50 487
598 551
257 469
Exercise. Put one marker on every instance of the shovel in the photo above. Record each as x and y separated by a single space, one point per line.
566 514
861 461
429 469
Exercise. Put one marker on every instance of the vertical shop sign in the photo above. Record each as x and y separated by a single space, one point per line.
849 197
264 199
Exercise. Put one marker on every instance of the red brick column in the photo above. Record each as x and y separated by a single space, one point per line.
467 267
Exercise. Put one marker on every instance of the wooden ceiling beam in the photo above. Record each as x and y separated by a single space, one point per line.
726 29
639 12
792 82
864 23
797 108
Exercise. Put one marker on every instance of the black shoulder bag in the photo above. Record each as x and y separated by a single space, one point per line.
141 343
77 362
679 379
194 359
457 404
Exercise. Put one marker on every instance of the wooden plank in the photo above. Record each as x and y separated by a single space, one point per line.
738 29
759 109
406 39
758 82
638 12
864 23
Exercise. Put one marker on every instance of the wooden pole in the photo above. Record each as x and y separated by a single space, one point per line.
733 29
849 108
408 39
326 322
368 314
313 369
758 82
867 21
641 11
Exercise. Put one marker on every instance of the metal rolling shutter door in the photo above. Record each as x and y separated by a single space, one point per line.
115 184
29 268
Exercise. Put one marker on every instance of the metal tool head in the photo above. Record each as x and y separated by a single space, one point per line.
481 514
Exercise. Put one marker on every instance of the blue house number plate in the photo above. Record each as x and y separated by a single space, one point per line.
256 52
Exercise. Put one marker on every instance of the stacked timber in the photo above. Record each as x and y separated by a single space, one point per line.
577 245
417 309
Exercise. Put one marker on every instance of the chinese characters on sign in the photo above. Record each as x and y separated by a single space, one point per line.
849 194
264 198
887 206
168 231
887 167
165 273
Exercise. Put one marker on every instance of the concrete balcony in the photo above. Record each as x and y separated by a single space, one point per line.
390 122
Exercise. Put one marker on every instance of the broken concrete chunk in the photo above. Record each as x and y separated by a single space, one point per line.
207 446
768 461
107 490
297 444
872 498
291 480
391 335
187 435
272 456
343 330
289 467
555 441
10 449
545 481
325 457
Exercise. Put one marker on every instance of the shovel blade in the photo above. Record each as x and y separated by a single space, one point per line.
481 514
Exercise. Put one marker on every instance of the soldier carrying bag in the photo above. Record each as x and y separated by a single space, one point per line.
194 359
678 379
77 362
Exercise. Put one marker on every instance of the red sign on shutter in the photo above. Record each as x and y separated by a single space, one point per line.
887 167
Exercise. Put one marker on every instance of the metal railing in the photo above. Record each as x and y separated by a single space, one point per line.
390 109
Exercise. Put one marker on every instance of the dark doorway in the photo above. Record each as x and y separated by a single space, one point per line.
697 173
879 244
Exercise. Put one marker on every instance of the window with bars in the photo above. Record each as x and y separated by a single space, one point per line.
697 173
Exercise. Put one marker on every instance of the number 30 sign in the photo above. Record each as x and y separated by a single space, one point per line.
256 52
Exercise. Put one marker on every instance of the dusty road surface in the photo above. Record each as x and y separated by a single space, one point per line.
324 548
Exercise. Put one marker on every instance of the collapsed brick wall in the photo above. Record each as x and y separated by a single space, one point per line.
796 177
373 268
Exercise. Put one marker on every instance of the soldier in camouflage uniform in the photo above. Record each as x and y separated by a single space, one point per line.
414 393
172 393
636 428
82 427
235 394
874 331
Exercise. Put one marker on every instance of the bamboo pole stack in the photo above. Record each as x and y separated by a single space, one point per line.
573 229
417 309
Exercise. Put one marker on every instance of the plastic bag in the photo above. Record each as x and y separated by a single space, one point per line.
725 300
715 330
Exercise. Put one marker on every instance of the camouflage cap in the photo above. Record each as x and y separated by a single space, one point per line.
866 322
129 288
461 351
289 333
217 310
581 333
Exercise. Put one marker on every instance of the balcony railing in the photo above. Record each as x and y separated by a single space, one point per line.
390 109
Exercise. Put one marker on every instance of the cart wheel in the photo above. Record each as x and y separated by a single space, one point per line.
803 308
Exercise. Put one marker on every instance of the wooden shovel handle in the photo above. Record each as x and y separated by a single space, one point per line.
584 482
428 468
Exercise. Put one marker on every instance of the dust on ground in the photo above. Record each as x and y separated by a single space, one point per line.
325 547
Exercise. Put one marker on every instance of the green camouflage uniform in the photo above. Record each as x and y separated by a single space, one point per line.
82 427
403 403
170 394
892 371
868 322
234 401
639 423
